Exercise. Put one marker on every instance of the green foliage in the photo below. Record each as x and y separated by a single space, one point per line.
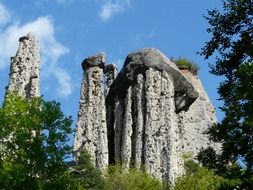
199 178
233 174
183 63
209 158
133 179
191 167
232 45
86 175
33 137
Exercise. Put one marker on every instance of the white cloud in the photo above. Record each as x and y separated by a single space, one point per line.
64 79
51 50
110 8
4 15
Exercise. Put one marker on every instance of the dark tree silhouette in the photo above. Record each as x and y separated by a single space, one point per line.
232 46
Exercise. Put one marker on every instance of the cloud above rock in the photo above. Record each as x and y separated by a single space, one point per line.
110 8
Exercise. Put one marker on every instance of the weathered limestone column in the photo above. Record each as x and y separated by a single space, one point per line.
91 131
145 98
25 69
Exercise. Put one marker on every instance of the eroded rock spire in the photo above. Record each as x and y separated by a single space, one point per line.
25 68
91 133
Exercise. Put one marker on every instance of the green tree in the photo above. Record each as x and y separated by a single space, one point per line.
232 46
33 139
86 175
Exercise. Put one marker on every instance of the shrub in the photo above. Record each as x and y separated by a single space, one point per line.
133 179
197 178
183 63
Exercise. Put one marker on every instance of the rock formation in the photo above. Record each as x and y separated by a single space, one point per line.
194 122
25 69
155 113
149 115
110 72
146 97
91 125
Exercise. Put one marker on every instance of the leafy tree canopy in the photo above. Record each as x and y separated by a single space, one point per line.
33 140
232 46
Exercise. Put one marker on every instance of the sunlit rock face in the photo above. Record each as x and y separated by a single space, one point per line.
194 122
91 132
25 69
146 97
149 116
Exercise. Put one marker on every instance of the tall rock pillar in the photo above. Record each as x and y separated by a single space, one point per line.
144 100
91 133
25 69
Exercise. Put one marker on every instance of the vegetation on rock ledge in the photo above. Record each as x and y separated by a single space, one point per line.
183 63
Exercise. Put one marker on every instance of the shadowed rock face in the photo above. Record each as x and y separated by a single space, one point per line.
110 72
147 107
25 69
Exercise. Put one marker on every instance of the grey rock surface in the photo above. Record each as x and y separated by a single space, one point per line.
146 96
91 132
143 59
110 73
150 115
195 122
25 69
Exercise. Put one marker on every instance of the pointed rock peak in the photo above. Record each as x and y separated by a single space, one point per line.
25 68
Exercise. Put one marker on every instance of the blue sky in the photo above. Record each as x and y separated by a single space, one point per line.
70 30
